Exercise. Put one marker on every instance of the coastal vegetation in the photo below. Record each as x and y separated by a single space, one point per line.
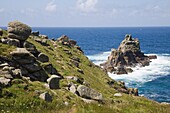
38 74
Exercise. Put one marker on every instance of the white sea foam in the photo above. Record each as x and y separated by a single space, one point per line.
158 67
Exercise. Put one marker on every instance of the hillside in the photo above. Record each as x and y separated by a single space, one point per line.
38 74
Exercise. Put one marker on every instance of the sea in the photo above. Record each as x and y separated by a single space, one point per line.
153 81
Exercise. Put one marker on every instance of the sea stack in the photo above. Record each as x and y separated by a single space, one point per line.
126 56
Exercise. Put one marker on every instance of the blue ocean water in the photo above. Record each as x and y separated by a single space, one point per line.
152 81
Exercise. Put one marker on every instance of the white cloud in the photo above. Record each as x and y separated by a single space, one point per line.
51 7
29 12
2 10
87 5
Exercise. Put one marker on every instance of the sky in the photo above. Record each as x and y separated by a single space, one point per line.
86 13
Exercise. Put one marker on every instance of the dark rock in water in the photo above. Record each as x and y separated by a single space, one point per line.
152 57
35 33
18 30
89 93
120 70
1 32
128 55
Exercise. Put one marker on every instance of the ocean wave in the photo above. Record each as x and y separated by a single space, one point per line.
158 67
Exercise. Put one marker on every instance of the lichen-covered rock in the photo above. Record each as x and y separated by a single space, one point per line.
18 30
89 93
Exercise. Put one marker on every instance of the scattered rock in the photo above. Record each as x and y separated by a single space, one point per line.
4 82
50 69
17 73
80 71
54 82
66 103
43 57
39 75
11 42
72 42
46 96
75 63
1 32
89 93
133 91
44 36
118 95
35 33
73 89
6 74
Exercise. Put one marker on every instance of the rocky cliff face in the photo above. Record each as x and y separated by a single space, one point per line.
127 55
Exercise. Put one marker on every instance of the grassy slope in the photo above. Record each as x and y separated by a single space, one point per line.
22 96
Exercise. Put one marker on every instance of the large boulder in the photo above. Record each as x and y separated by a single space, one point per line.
18 30
89 93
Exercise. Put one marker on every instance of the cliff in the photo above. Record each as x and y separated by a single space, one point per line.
38 74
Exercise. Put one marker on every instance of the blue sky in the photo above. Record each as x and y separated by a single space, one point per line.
86 13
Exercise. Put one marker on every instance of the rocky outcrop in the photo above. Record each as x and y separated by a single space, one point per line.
127 55
88 93
19 31
28 64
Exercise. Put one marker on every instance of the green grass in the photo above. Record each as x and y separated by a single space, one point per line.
22 96
5 49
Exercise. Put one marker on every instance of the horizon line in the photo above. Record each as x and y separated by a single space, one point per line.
93 26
